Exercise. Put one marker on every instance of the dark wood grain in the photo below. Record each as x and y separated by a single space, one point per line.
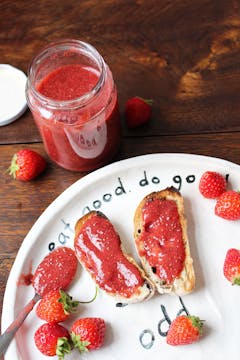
183 54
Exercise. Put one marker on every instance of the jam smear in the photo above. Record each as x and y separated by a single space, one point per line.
162 238
55 271
98 248
25 279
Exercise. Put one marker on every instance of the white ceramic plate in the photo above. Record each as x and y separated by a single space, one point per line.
116 190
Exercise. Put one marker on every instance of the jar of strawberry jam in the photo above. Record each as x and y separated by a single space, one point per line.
73 99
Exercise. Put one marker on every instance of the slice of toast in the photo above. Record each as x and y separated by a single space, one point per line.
100 251
158 220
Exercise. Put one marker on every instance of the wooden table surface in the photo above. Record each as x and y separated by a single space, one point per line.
183 54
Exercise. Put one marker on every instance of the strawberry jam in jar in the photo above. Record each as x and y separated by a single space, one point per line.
72 96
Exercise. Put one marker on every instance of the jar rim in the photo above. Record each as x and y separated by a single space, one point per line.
76 102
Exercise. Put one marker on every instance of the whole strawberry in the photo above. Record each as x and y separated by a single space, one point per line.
185 329
88 333
228 205
137 111
231 267
212 184
52 339
26 165
56 306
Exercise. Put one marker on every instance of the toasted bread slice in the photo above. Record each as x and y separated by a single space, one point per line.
100 251
160 232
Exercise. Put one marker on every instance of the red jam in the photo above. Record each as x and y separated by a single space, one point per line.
73 99
55 271
162 239
25 279
68 82
98 248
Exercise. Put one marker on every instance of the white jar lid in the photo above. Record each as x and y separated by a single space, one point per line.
12 93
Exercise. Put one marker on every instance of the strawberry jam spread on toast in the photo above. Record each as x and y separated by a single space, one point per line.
160 232
162 238
98 248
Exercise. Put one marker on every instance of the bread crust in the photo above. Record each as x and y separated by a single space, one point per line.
185 283
145 292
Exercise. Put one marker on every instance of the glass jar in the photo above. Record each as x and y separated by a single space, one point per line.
73 99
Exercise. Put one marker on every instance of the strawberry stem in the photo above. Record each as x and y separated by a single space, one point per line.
89 301
147 101
236 281
69 305
13 168
63 347
78 343
197 323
